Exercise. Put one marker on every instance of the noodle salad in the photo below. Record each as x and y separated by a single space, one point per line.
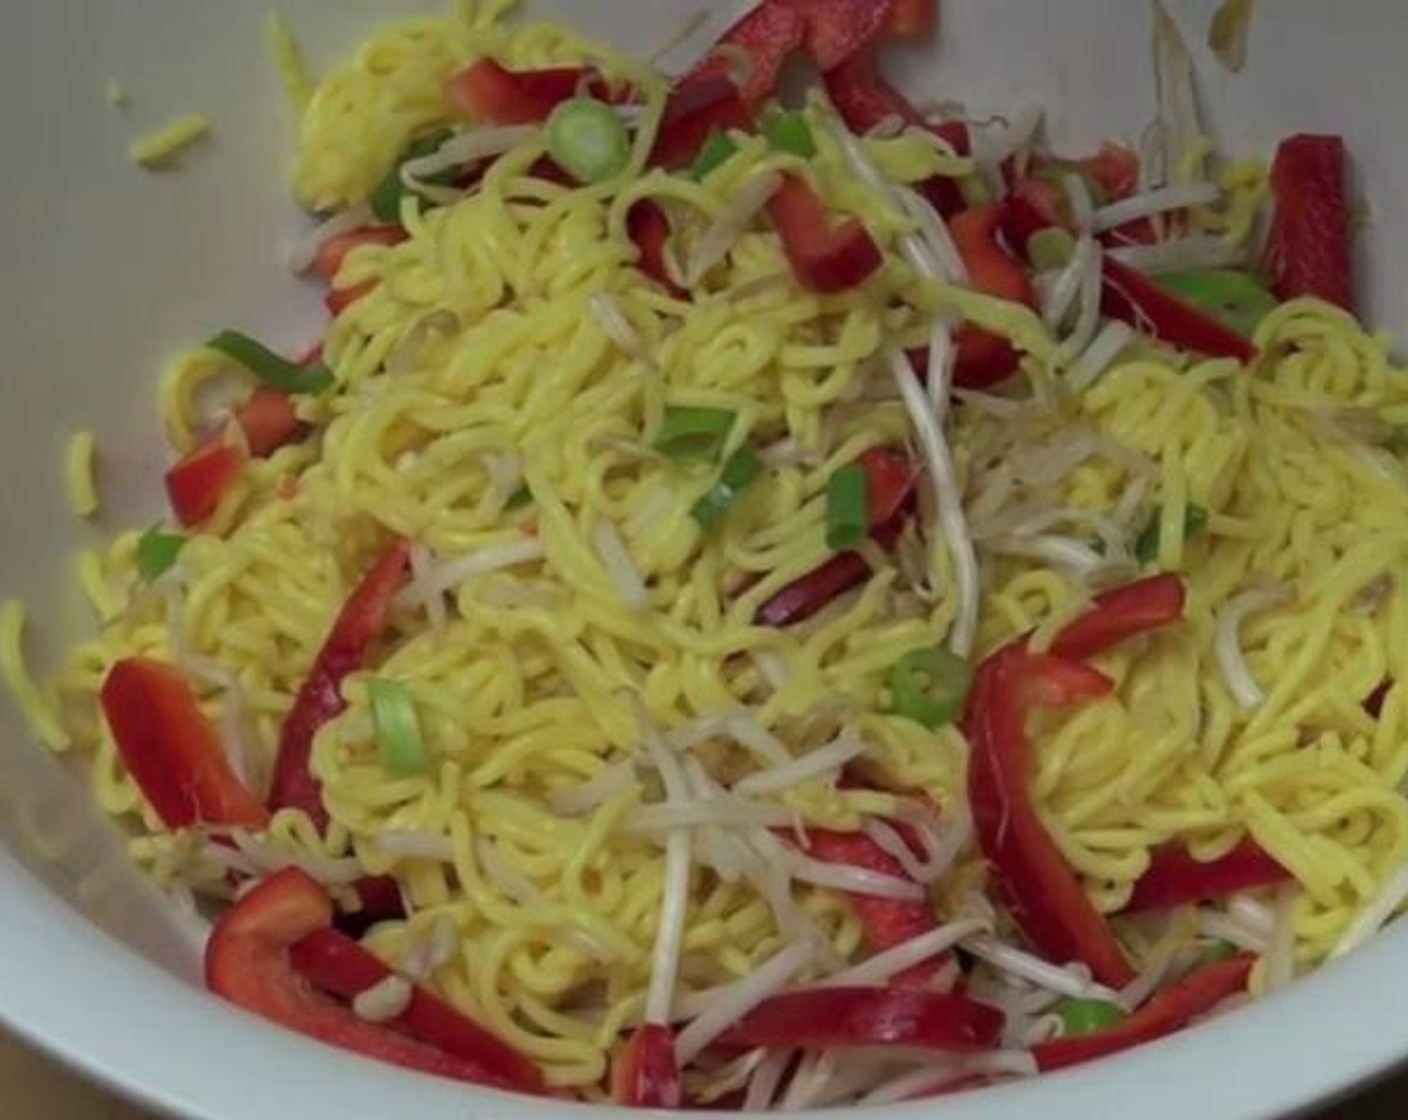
764 601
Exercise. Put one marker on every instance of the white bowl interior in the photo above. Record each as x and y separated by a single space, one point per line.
107 268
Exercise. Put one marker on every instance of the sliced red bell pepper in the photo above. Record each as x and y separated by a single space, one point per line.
649 230
913 19
824 257
646 1073
1133 298
1175 878
268 421
770 35
320 700
336 964
892 478
837 29
1168 1012
172 750
864 98
697 108
339 300
334 250
247 962
1114 170
197 482
985 359
487 91
1042 891
1308 252
833 1018
887 922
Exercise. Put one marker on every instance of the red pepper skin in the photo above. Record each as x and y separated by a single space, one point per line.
320 699
1114 169
831 1018
837 29
649 230
913 19
864 98
770 34
1308 252
487 91
339 300
247 963
646 1074
268 421
891 478
1166 1013
1045 896
334 251
1121 613
696 108
825 258
1175 878
888 922
171 749
197 482
336 964
1134 299
985 359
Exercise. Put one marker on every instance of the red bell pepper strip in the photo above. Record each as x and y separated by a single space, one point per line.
268 421
864 98
1043 893
1168 1012
1134 299
197 482
336 964
334 250
339 300
320 699
1175 878
832 1018
1308 252
649 231
697 108
892 479
824 257
913 19
985 359
887 922
247 962
837 29
488 91
769 35
172 750
1114 170
646 1073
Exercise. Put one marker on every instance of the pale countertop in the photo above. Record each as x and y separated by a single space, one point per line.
34 1088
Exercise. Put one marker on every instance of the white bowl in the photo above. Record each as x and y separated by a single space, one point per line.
106 268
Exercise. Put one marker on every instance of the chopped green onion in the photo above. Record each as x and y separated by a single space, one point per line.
587 140
1146 548
1050 248
157 551
1215 952
398 734
790 133
271 368
1233 298
739 473
1088 1016
521 498
694 433
975 191
930 686
386 199
847 508
717 151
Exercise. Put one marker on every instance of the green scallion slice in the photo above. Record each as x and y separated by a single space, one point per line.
398 736
272 369
739 473
157 551
847 508
694 433
930 686
587 139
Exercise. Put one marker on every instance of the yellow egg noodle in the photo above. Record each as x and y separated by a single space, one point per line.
484 359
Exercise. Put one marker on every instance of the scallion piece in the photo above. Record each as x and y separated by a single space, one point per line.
521 498
398 736
1050 248
272 369
157 551
1146 548
386 199
1081 1017
739 473
930 686
790 133
694 433
716 152
847 508
1233 298
587 140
